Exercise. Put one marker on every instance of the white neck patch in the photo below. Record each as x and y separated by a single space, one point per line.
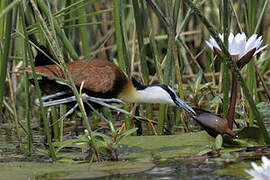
153 94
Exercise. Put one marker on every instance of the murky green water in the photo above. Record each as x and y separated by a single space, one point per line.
170 170
135 162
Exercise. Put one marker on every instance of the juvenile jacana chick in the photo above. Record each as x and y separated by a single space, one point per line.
103 79
213 124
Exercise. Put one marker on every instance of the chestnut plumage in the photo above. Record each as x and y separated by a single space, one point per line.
101 78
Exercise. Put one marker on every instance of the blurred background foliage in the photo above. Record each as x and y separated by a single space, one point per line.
155 41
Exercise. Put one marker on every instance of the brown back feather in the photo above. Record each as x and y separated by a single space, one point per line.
101 78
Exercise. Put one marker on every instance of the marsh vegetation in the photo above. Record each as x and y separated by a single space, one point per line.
178 43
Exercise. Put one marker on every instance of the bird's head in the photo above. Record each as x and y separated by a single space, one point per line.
158 93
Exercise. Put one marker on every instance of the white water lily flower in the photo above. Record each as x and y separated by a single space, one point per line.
239 45
260 172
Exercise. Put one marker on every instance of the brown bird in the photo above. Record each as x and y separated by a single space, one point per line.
103 79
213 124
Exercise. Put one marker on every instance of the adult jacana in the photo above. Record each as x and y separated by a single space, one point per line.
103 79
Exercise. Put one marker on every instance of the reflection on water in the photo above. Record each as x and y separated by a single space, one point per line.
177 170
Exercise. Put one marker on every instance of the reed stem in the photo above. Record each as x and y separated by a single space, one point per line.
26 82
54 123
62 111
58 30
143 62
118 31
4 54
226 74
233 99
84 34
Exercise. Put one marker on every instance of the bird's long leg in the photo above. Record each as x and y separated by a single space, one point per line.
99 114
44 98
55 102
59 101
85 98
102 102
67 113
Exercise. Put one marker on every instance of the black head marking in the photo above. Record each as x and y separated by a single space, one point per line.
168 90
136 84
177 101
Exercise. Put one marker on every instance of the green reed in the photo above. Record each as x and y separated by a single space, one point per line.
142 49
6 36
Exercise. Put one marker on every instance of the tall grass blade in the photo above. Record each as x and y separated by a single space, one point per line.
84 34
120 46
61 113
2 20
26 82
251 76
140 35
153 44
9 7
44 8
226 75
118 31
4 54
54 123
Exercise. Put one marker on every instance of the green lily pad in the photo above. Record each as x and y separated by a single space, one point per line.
32 170
147 148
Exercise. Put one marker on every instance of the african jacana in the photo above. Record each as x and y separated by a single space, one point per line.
103 79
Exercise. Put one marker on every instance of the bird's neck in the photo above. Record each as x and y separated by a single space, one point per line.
143 94
129 93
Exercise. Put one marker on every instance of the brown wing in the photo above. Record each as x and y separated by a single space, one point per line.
99 76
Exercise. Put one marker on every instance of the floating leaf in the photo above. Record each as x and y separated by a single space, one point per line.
32 170
218 142
204 152
125 134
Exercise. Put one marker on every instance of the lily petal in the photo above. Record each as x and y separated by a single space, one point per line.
214 43
260 172
256 167
251 43
233 47
209 45
230 38
262 48
221 36
241 43
266 162
258 42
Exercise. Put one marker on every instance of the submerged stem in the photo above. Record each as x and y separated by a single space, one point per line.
233 98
